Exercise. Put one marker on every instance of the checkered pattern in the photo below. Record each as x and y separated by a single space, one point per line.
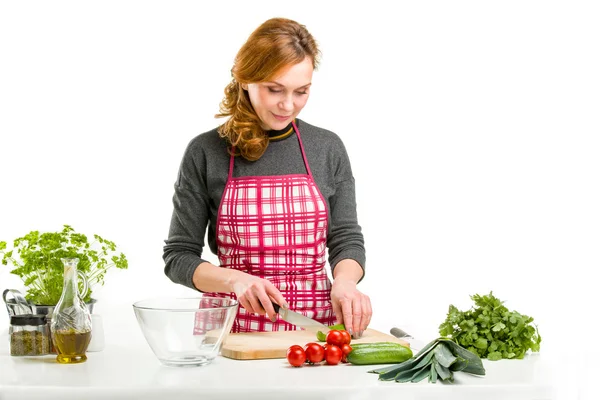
209 319
275 227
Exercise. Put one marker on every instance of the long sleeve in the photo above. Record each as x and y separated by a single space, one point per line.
345 238
183 249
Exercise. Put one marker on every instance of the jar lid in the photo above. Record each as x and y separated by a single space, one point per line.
28 319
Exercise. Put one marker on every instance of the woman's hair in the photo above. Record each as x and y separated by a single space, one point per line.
275 44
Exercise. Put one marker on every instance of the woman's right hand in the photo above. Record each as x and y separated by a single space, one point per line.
255 294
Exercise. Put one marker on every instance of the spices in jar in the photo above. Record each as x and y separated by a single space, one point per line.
29 335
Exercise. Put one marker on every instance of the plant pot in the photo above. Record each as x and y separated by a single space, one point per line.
15 308
48 310
19 305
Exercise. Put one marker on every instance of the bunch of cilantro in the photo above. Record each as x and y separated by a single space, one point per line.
490 330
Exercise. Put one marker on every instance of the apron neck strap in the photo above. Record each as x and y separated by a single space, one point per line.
231 158
302 149
232 149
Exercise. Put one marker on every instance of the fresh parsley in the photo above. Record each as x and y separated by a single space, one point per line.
36 258
491 330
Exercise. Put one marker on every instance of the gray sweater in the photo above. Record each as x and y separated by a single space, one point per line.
203 174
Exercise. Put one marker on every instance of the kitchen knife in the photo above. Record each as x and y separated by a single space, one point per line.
300 320
415 344
400 334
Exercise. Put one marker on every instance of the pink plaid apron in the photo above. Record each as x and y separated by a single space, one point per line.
275 227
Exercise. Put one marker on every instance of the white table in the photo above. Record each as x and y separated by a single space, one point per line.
127 369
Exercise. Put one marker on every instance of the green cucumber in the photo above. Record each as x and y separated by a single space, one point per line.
375 344
322 337
378 353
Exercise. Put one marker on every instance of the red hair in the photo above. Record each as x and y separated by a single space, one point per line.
276 44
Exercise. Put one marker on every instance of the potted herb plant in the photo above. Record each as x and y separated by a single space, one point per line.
36 258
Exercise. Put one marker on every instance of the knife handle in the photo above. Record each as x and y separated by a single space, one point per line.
276 307
399 333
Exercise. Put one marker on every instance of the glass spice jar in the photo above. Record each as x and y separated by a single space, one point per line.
29 335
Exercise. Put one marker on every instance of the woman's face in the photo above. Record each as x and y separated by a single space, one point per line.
280 100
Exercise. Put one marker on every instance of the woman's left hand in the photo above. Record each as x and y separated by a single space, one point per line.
351 307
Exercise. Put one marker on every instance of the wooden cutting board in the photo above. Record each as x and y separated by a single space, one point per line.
261 345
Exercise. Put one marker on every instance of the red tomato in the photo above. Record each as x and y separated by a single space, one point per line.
333 355
346 349
346 338
334 338
296 355
315 353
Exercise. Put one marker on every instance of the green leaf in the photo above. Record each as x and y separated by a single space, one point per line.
459 365
414 363
474 366
404 376
444 373
422 374
444 356
498 327
481 343
433 372
489 327
36 259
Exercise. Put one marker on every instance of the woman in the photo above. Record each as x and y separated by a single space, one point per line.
274 193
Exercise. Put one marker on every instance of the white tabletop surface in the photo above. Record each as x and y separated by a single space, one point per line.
127 368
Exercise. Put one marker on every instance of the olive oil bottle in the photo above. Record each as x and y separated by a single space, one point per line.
71 326
71 346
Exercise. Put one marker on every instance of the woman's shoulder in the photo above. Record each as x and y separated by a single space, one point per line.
206 145
317 132
209 139
318 136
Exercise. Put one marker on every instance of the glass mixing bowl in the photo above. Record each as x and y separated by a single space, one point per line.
186 331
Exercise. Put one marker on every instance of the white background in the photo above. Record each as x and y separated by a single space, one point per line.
472 128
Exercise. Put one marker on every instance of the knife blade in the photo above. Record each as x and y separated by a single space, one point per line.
300 320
